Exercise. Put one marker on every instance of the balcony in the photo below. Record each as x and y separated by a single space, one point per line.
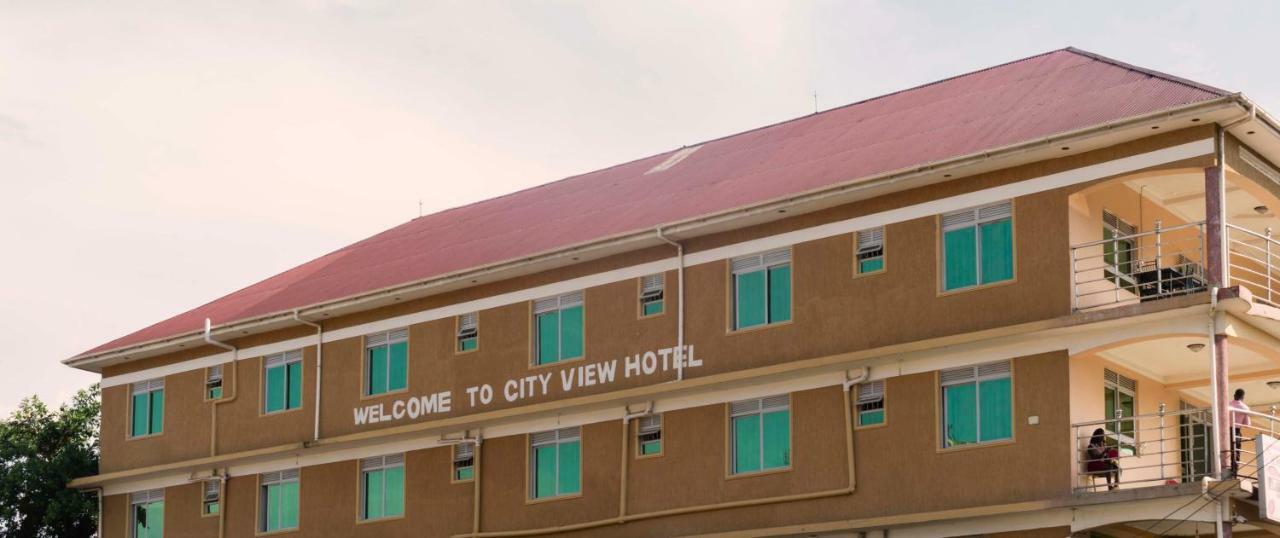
1138 267
1155 449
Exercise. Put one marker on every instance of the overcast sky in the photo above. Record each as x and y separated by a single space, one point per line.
155 156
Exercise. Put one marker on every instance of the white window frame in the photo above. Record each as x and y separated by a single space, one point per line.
653 289
870 393
649 426
758 406
213 379
285 476
463 453
867 242
379 463
276 360
558 303
1121 384
142 497
974 217
976 374
383 339
468 327
556 438
211 494
763 261
147 387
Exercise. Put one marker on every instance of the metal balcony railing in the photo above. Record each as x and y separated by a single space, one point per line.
1127 269
1143 450
1254 262
1244 453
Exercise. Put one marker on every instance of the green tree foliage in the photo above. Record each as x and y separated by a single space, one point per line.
40 452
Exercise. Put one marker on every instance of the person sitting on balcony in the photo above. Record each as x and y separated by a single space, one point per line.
1100 459
1238 421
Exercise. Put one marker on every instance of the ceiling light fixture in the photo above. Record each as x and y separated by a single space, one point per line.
1260 209
1196 347
1273 384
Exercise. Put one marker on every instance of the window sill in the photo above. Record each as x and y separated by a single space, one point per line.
544 500
557 363
872 426
142 437
754 474
277 532
280 412
384 394
640 456
877 272
958 291
379 520
971 446
456 351
756 328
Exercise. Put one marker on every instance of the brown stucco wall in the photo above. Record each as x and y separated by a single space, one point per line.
833 312
899 468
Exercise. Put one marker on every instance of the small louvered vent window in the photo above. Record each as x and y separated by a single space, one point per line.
468 332
651 294
870 250
649 435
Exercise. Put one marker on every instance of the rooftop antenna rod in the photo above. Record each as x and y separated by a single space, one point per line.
419 207
815 102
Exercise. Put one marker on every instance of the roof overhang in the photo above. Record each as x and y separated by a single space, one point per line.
1247 122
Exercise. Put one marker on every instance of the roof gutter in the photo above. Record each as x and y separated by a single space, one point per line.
689 227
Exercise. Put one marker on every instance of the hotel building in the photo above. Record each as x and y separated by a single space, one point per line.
905 316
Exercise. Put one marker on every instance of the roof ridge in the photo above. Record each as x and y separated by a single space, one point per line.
1151 72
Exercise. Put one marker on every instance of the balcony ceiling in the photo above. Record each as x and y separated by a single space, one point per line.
1167 360
1182 193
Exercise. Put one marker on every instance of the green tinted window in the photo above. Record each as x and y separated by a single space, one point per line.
275 387
977 404
468 344
463 473
871 418
146 408
141 410
571 332
556 466
777 439
997 251
148 520
544 458
279 509
995 413
779 293
376 375
651 308
650 447
870 265
374 490
749 299
960 256
398 369
961 403
548 337
746 444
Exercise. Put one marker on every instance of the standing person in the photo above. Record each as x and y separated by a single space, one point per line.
1238 421
1100 459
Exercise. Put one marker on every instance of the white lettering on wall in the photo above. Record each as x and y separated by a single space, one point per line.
531 386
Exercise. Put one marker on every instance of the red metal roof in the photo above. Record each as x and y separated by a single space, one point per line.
1021 101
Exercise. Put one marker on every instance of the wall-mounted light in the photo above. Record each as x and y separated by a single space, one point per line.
1260 209
1273 384
1196 347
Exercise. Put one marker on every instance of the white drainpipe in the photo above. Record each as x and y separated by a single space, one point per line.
319 363
680 305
